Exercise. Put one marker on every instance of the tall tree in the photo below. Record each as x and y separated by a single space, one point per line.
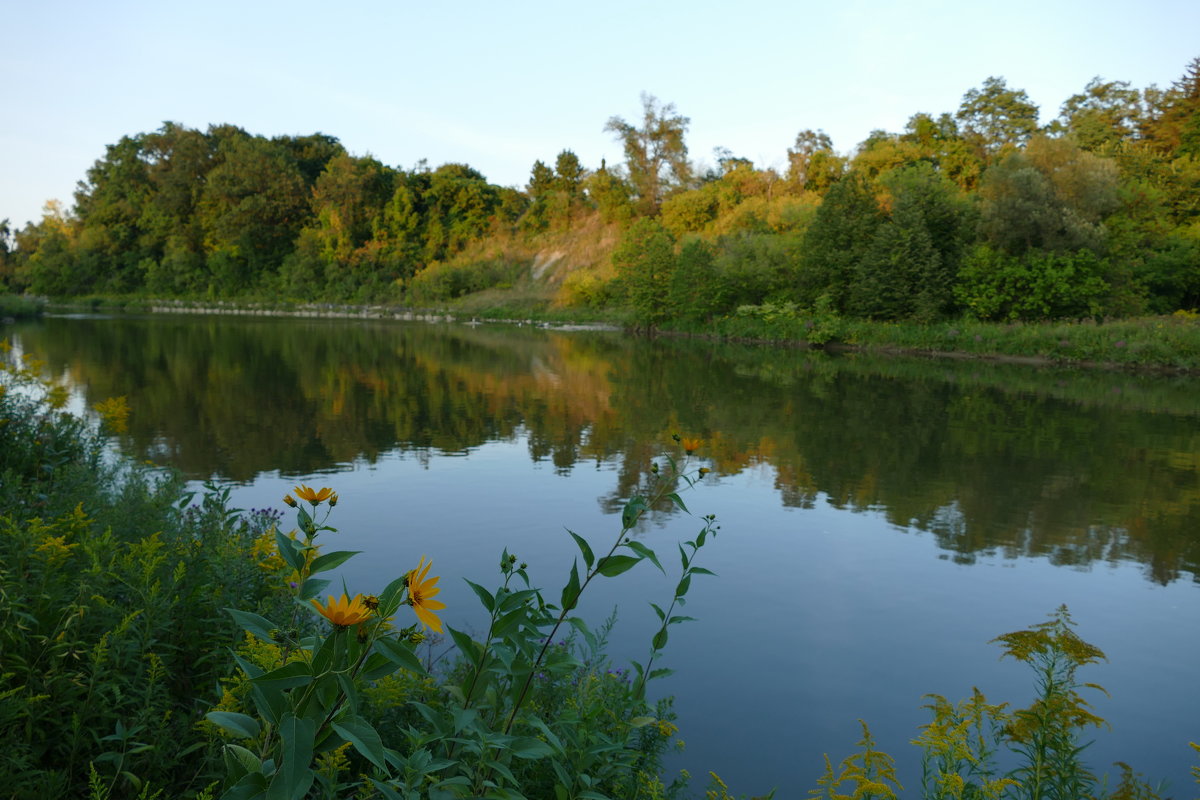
1104 113
812 163
655 153
995 116
1173 123
644 260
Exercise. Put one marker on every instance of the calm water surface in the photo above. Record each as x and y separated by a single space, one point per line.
883 520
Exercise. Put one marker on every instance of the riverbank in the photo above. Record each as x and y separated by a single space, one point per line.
1168 344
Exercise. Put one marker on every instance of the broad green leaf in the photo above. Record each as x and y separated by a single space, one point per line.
679 502
684 584
289 676
660 639
259 626
662 615
312 587
701 571
660 673
303 520
570 592
331 560
484 596
377 666
466 645
237 724
289 549
529 748
250 787
365 739
294 777
239 762
632 511
645 552
612 566
588 557
400 654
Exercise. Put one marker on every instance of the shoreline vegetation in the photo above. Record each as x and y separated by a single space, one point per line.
978 232
1168 344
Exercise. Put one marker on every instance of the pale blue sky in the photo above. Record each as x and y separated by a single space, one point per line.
498 85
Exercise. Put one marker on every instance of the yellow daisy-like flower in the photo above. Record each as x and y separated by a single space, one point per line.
421 591
691 445
343 612
312 495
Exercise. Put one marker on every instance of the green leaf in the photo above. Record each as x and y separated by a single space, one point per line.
632 511
331 560
660 673
259 626
677 619
662 615
312 587
400 654
293 778
239 762
529 748
611 566
645 552
588 557
365 739
303 520
466 645
250 787
676 499
684 584
377 666
702 571
237 724
660 639
290 550
289 676
641 722
484 596
570 592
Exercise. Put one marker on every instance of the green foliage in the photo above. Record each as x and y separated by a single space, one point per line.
644 261
996 117
520 713
111 596
1036 285
446 281
838 240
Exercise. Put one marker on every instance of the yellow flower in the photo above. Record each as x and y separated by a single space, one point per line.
333 500
691 445
421 592
313 496
291 501
343 612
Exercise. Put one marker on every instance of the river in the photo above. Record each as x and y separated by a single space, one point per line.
882 520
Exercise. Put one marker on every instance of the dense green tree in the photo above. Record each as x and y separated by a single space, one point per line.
655 152
1173 121
838 240
612 195
939 142
695 292
1051 196
253 205
459 205
914 258
995 117
1104 113
644 260
812 163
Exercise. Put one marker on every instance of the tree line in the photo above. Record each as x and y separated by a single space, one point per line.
983 212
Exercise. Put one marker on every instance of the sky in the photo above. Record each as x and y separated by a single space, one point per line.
500 85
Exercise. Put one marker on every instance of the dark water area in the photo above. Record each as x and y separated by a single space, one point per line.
882 519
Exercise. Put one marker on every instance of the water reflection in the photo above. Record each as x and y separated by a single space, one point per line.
1076 467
